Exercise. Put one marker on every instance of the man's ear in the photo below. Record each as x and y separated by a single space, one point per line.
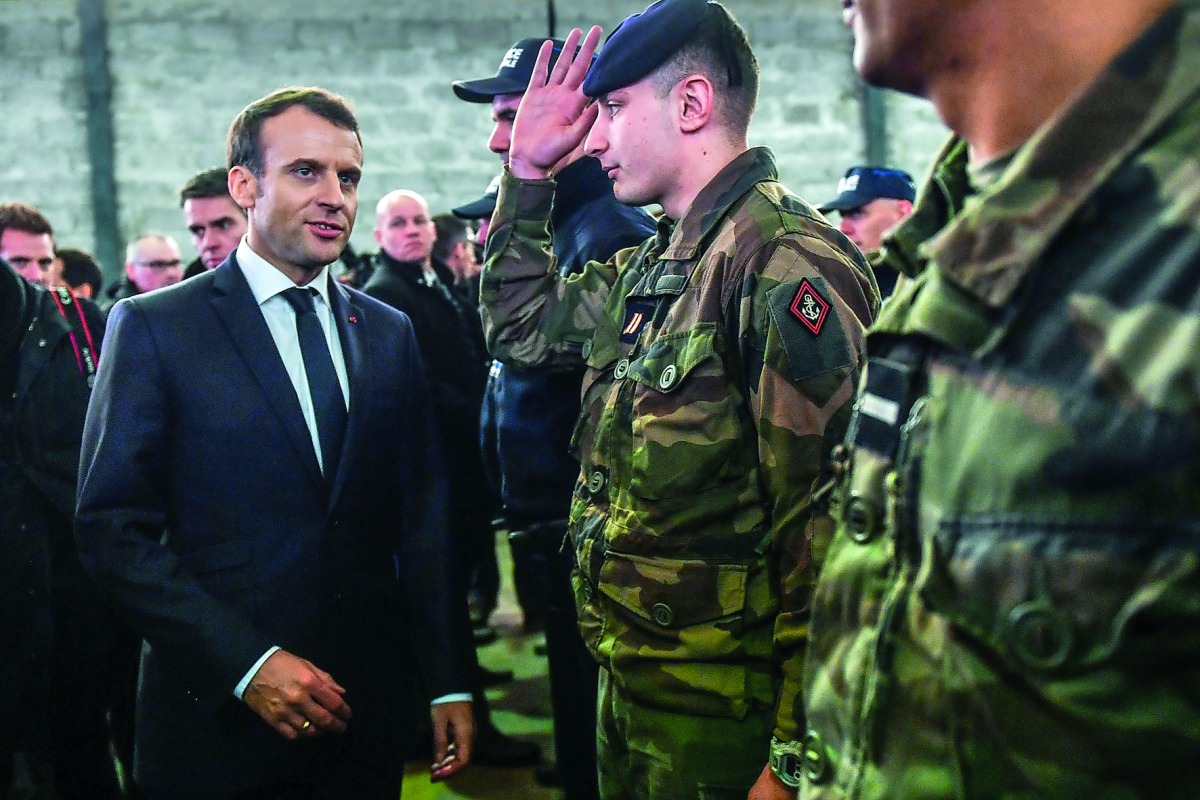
695 102
243 187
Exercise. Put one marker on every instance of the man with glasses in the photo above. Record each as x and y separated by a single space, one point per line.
152 261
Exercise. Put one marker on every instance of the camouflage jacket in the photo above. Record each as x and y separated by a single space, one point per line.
721 361
1010 607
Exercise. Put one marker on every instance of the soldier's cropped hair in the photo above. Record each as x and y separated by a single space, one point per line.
209 183
450 231
18 216
243 146
720 51
80 267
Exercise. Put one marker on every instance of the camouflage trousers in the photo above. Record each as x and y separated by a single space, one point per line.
649 754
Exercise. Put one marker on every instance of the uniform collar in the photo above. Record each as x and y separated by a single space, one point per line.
714 200
987 243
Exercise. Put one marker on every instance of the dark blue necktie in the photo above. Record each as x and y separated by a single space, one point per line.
329 404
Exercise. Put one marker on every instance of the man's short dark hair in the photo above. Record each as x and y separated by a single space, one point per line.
450 231
209 183
244 146
80 267
18 216
720 51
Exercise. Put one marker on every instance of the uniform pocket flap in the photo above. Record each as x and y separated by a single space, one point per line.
674 593
672 358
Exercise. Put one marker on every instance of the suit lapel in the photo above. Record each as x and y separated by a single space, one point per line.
234 304
352 330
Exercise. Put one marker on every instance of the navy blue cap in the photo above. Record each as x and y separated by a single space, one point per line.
512 77
480 207
861 185
642 43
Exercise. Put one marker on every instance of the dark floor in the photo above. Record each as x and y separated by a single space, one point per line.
520 707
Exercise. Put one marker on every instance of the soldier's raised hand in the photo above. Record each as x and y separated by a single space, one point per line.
555 115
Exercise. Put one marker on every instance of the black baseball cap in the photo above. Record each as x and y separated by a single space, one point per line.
482 207
861 185
512 77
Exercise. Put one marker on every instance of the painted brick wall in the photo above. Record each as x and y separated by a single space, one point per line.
183 69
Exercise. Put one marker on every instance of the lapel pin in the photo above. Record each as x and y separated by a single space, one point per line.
354 319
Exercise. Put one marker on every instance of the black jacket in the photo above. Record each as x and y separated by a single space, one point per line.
450 339
44 394
528 415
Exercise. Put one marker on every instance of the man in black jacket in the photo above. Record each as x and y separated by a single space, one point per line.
450 339
55 633
529 415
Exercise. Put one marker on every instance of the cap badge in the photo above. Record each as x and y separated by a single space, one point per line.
511 58
848 183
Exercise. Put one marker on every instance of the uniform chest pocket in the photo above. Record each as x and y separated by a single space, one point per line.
685 423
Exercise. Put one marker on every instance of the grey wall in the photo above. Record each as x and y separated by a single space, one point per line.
182 70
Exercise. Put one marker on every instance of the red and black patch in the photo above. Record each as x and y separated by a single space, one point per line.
809 307
637 314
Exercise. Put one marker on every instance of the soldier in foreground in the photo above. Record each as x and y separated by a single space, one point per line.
1010 606
721 358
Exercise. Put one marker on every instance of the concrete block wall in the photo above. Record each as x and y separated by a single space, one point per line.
182 69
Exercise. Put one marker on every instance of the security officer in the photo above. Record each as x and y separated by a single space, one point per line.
1010 606
869 202
721 357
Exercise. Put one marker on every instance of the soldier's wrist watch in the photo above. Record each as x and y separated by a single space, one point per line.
786 761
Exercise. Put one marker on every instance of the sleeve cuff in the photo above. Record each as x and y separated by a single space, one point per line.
458 697
250 673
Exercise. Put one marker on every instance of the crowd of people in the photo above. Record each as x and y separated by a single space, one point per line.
901 507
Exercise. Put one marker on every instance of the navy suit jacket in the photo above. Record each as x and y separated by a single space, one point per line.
203 512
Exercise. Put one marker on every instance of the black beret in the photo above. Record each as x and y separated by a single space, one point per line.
642 43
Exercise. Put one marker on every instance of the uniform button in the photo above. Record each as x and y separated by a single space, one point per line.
622 369
862 519
667 379
1039 636
587 349
595 481
815 758
662 614
894 484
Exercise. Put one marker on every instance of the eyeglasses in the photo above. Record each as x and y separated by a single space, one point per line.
174 263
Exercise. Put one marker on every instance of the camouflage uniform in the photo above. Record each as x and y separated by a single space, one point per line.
710 404
1010 607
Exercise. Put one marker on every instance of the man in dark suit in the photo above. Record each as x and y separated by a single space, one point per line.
262 495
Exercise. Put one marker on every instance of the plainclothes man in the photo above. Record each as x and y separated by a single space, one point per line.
245 426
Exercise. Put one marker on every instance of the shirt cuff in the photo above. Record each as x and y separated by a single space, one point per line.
245 681
460 697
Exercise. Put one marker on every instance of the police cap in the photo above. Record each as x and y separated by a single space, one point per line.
861 185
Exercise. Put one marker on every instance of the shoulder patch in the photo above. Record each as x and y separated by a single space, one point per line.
810 332
810 307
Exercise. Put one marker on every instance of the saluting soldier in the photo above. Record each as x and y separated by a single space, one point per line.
721 359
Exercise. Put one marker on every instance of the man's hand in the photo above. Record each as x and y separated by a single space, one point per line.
768 787
453 736
554 116
296 698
